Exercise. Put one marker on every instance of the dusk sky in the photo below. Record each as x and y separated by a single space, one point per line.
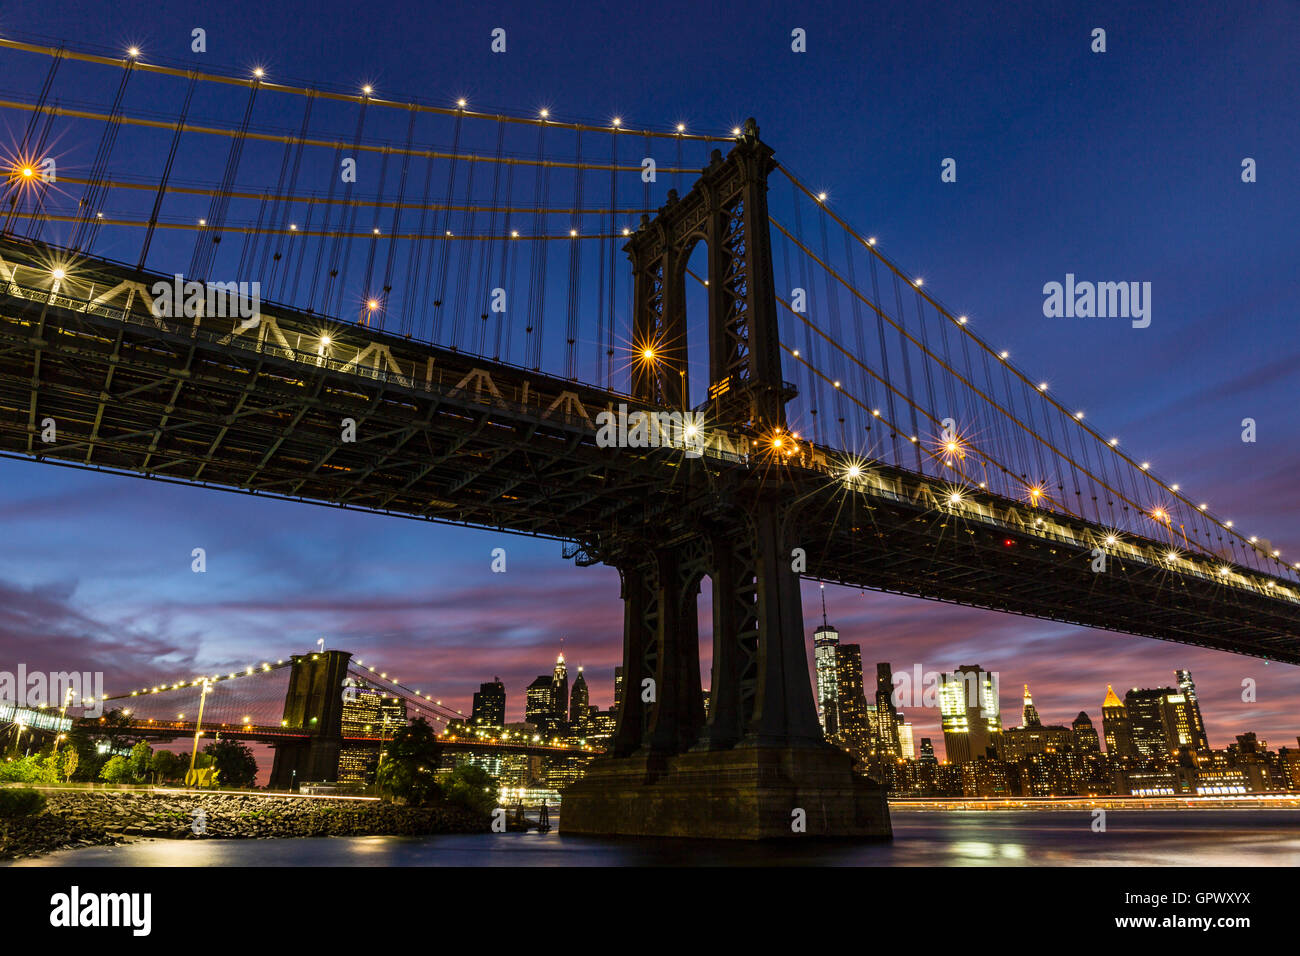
1117 166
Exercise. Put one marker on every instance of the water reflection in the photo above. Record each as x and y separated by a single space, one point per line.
968 838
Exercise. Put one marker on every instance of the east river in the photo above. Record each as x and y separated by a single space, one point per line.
1251 837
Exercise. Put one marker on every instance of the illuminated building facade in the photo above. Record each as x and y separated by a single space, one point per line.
826 641
854 713
1186 687
560 678
1021 742
885 743
1115 725
50 720
547 703
357 765
1028 712
1160 721
368 714
540 707
489 708
971 714
906 742
1085 735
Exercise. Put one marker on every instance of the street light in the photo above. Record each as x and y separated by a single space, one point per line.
63 713
198 730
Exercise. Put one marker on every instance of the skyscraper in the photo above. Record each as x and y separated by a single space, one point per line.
1085 735
561 681
367 712
548 703
826 642
1199 739
1160 721
540 708
1028 712
907 748
578 700
971 713
886 743
1180 724
854 726
489 708
1115 725
1146 721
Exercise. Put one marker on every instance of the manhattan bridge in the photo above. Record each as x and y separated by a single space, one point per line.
425 311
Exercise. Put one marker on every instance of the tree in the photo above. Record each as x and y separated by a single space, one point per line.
407 770
235 763
141 755
113 728
165 765
71 759
117 770
472 788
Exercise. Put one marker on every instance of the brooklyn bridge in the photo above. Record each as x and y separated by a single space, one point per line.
423 311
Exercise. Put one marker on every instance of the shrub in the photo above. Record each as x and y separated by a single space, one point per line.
472 788
33 769
20 803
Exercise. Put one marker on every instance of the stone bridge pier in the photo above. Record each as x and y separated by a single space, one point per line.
760 766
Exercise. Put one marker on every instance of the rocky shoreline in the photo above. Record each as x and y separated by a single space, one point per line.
78 818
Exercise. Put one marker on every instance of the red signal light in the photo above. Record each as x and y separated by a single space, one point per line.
1008 543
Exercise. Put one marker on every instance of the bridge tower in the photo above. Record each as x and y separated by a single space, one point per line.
313 703
760 766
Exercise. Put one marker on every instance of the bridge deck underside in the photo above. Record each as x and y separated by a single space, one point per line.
172 406
165 404
903 548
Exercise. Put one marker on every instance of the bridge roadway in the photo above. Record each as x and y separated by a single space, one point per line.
442 435
272 733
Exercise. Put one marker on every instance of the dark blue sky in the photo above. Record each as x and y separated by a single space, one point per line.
1117 166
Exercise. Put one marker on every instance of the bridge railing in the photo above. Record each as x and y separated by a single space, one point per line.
261 346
